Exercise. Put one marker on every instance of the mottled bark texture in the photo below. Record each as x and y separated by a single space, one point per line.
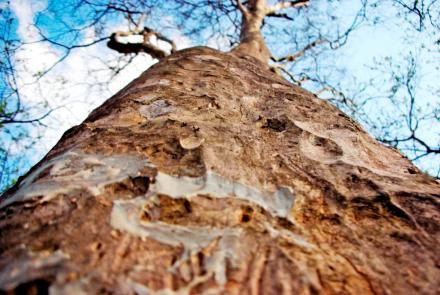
251 39
209 174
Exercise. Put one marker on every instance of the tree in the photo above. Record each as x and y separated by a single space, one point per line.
303 39
212 174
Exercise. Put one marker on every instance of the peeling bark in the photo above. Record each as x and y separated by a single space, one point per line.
209 174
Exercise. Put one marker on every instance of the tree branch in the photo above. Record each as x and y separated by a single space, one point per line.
15 121
241 7
280 15
298 54
274 8
145 46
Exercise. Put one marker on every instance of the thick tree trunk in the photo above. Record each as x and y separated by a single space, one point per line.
211 175
251 39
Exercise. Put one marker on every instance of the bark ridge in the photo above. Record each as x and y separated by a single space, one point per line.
209 174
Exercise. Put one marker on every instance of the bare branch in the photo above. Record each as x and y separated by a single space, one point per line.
280 15
288 4
145 46
14 121
298 54
140 23
241 7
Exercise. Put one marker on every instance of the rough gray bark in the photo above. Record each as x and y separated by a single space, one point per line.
209 174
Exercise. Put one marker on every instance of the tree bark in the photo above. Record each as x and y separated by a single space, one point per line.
209 174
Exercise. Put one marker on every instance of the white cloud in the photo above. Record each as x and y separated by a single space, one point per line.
170 30
75 86
25 11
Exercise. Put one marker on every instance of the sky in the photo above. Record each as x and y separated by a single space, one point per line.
76 86
69 88
63 87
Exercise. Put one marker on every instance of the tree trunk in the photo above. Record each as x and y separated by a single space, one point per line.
209 174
